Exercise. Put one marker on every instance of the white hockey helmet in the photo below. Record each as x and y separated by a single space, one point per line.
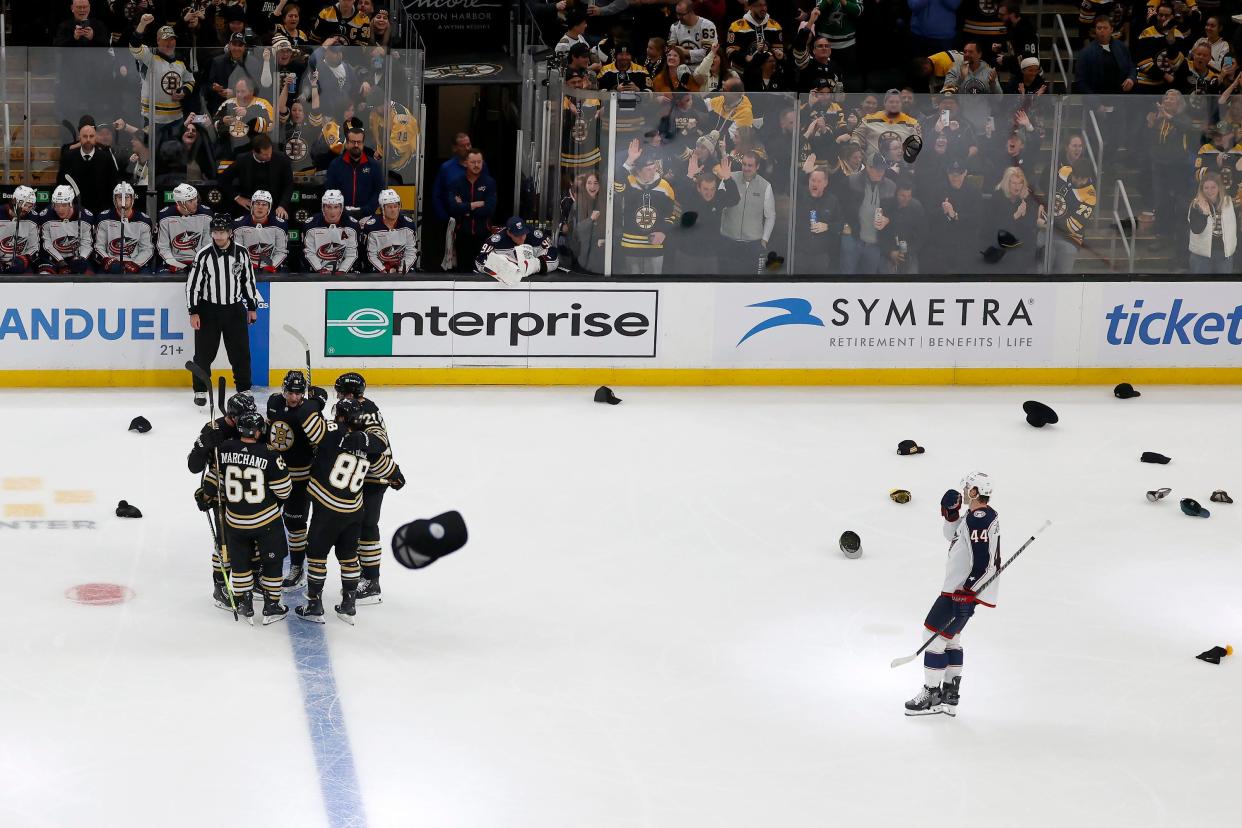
333 197
389 196
124 193
184 192
976 480
262 195
62 194
24 196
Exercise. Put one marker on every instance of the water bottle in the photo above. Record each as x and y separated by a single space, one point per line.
814 217
901 246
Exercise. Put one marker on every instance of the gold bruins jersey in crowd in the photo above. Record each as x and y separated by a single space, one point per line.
1072 207
295 432
402 141
253 482
580 133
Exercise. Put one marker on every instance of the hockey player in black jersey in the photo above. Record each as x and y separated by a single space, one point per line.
974 558
337 477
383 475
296 428
212 435
253 482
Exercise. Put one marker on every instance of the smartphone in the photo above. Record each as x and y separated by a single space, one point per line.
944 117
991 122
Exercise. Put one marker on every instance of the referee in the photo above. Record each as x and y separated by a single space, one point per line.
222 300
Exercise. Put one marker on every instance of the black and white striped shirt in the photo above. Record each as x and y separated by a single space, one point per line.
221 276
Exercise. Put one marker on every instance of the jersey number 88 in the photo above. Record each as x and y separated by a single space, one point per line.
349 472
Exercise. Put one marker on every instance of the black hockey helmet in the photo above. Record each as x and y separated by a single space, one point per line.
294 383
221 221
351 383
351 413
356 443
239 404
251 424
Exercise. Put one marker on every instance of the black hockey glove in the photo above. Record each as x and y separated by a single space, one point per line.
950 504
203 500
397 480
319 393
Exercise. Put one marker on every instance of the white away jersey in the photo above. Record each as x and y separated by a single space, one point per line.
267 243
66 239
327 247
18 237
391 250
974 553
181 237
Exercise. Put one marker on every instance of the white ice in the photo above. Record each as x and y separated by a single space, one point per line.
652 624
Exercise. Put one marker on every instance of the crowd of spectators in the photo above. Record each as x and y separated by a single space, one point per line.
179 90
885 137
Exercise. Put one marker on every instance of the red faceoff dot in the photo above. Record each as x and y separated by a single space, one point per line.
99 594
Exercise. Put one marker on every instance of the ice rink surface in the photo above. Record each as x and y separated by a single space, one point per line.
651 625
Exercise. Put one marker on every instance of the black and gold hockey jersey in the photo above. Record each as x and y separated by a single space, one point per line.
981 19
645 209
746 34
341 466
1225 163
295 432
253 482
1072 207
580 133
382 466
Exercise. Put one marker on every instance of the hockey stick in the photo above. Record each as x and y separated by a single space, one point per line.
77 206
296 334
897 662
218 535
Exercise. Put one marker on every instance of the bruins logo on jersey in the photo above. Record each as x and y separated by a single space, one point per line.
295 148
646 217
280 435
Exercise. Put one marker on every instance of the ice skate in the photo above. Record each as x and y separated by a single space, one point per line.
950 695
294 579
927 702
368 592
273 610
312 611
345 610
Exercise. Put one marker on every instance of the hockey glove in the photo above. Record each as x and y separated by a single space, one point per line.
132 267
268 269
18 264
209 439
964 596
950 504
113 266
77 265
320 393
397 480
202 500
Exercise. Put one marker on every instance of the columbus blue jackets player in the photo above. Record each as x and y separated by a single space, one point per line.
517 233
974 557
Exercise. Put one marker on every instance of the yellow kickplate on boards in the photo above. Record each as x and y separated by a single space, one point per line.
21 484
23 510
75 496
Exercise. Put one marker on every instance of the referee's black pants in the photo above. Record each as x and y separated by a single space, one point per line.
227 322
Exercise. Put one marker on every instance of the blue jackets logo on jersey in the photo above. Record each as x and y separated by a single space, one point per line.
797 312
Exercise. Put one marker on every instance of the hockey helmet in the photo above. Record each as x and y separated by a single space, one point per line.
389 196
350 412
183 193
24 196
251 424
294 383
261 195
221 221
331 197
356 443
351 383
239 404
123 195
62 194
976 480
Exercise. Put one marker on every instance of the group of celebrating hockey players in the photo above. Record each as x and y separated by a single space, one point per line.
66 238
260 476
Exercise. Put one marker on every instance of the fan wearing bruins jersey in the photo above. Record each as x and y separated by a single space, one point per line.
341 466
296 429
1222 155
212 435
402 143
252 482
756 31
383 474
648 210
391 239
580 126
1073 207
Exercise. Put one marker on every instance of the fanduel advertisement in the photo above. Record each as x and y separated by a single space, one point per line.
1169 323
876 325
490 323
94 326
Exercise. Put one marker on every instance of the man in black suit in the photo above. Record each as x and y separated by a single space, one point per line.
93 168
262 168
82 29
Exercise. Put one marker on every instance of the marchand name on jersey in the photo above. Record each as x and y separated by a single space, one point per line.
241 458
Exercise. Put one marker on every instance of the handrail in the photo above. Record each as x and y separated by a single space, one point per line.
1098 154
4 98
1067 68
1129 242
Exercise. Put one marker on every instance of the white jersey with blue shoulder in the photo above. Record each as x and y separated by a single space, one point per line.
974 553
